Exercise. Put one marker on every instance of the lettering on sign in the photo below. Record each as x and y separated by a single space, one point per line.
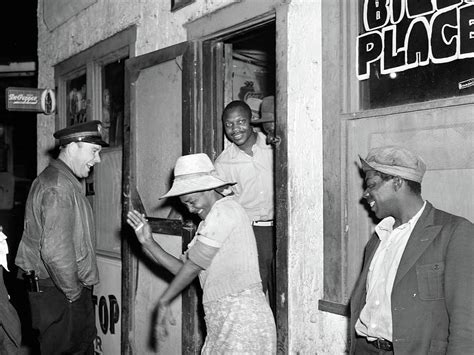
23 99
405 34
109 313
108 310
31 99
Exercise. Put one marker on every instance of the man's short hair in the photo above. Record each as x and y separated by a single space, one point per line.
238 105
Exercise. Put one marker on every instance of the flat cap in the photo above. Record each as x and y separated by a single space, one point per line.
396 161
89 132
267 109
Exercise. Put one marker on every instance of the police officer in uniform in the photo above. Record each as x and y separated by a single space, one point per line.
57 250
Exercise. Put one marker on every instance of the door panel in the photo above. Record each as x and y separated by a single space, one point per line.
443 137
159 127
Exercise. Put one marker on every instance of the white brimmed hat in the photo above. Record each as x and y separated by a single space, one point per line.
193 173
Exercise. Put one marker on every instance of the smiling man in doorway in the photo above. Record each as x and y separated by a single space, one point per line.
415 292
57 250
248 160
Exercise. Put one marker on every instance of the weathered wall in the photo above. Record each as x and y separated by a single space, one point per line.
311 331
157 28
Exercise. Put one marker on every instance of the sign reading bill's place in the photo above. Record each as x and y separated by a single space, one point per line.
413 51
31 100
405 34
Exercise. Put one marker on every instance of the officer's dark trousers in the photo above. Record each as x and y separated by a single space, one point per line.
64 328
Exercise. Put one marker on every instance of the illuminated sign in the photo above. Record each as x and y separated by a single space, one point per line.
31 99
405 34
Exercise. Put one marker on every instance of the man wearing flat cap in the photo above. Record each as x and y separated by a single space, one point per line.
57 250
415 292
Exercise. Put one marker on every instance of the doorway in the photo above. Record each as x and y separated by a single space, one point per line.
246 71
229 67
250 65
241 65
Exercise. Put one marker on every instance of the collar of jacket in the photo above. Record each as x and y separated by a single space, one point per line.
421 237
66 170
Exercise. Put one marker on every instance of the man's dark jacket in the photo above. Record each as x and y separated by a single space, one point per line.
433 292
58 239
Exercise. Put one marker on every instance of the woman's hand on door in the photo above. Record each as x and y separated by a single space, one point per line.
140 225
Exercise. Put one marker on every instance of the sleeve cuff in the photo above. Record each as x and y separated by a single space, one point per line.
202 254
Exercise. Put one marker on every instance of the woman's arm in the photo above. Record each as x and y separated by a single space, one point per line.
183 278
143 231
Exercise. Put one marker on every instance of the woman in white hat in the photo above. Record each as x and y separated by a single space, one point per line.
223 254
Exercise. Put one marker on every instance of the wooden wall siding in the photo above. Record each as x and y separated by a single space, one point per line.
443 137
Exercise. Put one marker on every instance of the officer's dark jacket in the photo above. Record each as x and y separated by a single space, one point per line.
59 234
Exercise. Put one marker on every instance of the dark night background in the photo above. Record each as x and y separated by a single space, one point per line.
18 38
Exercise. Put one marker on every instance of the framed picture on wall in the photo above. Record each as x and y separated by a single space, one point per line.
178 4
76 104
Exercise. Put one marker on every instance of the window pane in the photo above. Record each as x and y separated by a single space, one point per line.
76 104
113 102
413 52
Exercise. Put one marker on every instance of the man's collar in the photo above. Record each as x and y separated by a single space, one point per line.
61 165
385 227
234 150
260 142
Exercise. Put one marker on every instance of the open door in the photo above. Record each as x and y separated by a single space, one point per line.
159 127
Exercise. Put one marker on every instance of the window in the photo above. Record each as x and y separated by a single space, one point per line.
113 102
414 52
377 92
76 102
90 85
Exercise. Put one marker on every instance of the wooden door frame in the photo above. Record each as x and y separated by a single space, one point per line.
190 128
223 24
